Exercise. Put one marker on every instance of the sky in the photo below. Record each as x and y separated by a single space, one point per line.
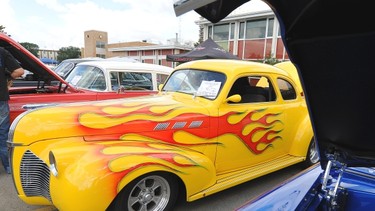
52 24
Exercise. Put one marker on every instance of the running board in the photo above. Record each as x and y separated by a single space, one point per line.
231 179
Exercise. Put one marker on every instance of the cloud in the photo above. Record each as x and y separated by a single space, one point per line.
7 15
53 24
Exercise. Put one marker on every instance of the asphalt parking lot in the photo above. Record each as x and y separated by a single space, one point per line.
226 200
9 200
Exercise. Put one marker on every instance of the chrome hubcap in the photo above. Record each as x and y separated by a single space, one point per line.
314 155
150 193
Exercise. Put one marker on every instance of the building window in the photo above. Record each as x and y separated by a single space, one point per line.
270 27
210 32
241 34
100 44
221 35
100 56
221 32
231 31
256 29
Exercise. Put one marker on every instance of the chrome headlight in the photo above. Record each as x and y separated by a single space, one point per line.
53 164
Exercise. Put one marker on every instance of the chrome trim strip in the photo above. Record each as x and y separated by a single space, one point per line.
179 125
195 124
37 105
162 126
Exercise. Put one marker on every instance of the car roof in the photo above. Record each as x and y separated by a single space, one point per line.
79 60
127 65
233 67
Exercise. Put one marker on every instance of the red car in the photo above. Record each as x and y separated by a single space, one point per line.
50 87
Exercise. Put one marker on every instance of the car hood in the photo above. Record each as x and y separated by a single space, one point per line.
155 117
28 61
332 48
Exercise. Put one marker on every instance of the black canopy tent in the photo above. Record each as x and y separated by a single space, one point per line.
206 50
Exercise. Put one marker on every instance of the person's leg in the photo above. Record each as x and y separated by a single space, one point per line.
4 129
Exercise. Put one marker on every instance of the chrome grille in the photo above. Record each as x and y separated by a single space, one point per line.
34 176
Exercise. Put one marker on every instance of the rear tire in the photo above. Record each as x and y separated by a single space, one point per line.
312 155
153 191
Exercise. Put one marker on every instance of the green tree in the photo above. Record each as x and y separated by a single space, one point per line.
2 28
68 53
33 48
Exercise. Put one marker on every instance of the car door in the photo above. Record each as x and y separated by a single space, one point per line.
253 130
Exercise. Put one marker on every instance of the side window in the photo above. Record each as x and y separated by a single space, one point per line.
98 82
286 89
160 78
114 81
136 81
253 89
88 77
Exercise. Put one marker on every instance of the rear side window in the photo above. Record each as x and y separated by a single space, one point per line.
161 78
286 89
131 80
252 89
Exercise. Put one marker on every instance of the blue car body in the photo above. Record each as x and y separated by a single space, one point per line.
304 192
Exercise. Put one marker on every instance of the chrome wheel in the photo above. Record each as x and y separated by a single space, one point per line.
150 193
313 153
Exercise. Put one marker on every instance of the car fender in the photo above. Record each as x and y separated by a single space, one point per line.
304 134
195 170
115 164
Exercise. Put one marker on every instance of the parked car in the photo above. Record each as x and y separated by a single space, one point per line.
66 66
335 62
62 69
213 125
117 76
50 87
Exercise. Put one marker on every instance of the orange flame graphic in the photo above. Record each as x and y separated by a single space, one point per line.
142 119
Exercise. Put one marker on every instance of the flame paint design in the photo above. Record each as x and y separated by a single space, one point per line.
138 122
146 154
146 146
243 121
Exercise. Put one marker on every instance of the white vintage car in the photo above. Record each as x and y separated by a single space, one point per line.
110 75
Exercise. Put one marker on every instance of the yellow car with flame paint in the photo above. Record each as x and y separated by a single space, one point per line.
213 125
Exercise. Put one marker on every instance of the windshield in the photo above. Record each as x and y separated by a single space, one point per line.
196 82
64 68
87 77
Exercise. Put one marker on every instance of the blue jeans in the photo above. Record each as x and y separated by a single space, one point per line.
4 129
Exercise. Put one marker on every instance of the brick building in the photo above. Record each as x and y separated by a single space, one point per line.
96 45
249 35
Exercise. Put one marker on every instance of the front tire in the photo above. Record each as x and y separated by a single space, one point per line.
151 192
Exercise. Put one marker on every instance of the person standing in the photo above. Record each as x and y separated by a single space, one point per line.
9 67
